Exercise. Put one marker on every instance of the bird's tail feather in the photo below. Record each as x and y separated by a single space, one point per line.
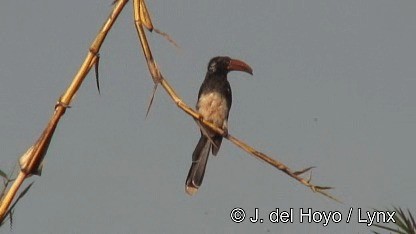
199 162
216 147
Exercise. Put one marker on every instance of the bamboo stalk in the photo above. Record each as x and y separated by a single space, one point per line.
31 161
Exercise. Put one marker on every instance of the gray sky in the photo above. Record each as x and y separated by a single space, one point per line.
333 87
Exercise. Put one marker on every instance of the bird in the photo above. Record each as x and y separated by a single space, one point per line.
213 104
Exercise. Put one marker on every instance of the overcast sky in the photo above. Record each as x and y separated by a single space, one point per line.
333 87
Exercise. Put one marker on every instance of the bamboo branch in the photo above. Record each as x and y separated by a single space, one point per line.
142 17
31 161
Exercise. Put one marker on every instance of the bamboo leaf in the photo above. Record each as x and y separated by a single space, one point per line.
97 63
145 16
4 175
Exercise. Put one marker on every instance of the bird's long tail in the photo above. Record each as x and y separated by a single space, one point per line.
199 162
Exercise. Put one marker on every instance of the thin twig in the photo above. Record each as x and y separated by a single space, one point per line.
167 37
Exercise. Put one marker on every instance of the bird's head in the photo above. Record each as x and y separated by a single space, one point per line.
227 64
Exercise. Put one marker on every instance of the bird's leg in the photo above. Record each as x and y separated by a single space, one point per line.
225 128
225 134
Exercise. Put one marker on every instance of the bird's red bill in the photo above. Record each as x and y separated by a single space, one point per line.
238 65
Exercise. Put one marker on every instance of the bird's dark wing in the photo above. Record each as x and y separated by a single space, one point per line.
226 91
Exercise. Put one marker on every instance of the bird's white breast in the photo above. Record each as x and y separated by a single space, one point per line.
213 108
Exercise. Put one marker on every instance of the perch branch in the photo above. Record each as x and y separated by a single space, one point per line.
142 18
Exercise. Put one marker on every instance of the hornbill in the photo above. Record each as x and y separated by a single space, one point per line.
214 103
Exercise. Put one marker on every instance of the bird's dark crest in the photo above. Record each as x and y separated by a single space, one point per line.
218 64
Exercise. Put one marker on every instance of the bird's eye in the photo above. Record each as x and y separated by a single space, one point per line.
212 67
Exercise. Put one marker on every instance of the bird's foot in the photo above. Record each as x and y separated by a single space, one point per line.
225 134
200 118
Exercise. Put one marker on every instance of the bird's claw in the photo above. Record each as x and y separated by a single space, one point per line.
200 118
225 132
